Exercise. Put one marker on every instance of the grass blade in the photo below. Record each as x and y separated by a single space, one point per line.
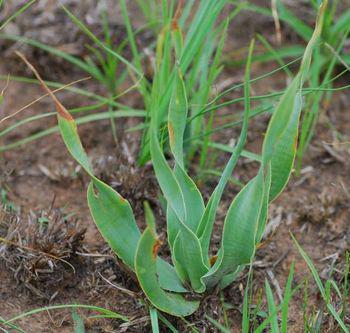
153 313
286 299
16 14
272 308
320 286
78 322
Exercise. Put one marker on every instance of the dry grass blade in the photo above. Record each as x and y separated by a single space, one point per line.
61 110
6 241
41 97
277 22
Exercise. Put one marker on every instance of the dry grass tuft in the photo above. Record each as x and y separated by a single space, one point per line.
40 250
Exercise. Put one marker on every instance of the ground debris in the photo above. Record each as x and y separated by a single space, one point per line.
40 250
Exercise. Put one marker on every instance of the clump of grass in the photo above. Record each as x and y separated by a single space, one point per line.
329 54
39 249
333 294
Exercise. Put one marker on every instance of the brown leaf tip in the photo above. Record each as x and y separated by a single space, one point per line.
156 248
62 111
171 133
213 260
174 25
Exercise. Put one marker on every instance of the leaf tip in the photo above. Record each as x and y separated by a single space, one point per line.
213 260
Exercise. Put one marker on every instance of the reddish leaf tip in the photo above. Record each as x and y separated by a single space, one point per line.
171 134
174 25
213 260
155 248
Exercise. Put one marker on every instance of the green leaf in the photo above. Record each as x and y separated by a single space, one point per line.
193 204
240 226
188 253
167 182
146 271
286 299
153 313
115 220
177 117
320 286
78 322
168 278
272 308
205 226
193 200
175 190
279 147
16 13
109 313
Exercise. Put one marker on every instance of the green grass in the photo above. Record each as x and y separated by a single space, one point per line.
329 54
326 288
17 13
178 120
189 220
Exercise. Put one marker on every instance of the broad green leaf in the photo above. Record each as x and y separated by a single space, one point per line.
146 271
114 218
239 232
166 179
279 147
168 278
192 259
188 253
193 200
177 117
178 259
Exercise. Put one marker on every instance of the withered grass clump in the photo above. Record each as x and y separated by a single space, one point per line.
40 250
